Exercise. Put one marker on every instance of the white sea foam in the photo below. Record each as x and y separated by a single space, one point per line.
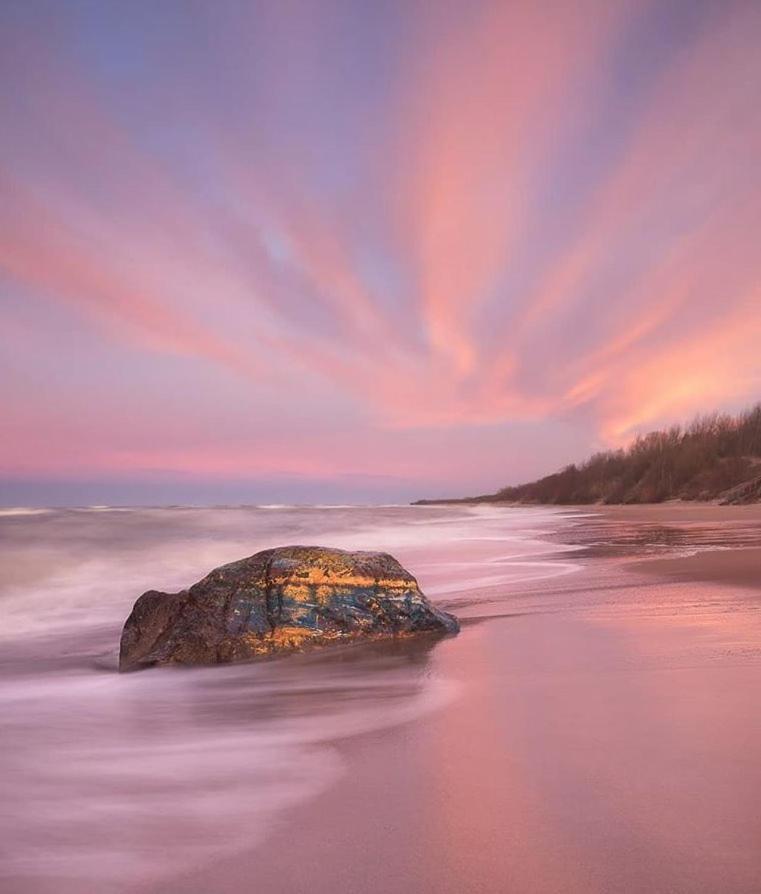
111 780
80 572
23 510
153 773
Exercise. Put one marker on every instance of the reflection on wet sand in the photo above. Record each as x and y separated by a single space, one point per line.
605 740
589 731
578 758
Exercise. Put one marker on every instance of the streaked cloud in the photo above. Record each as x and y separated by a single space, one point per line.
366 237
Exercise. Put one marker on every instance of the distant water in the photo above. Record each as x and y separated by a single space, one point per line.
109 781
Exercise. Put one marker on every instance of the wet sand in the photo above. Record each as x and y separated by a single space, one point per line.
733 567
569 764
593 729
605 738
739 567
676 512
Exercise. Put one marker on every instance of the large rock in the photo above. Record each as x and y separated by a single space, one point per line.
279 600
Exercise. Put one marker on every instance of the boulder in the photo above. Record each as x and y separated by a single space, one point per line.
278 601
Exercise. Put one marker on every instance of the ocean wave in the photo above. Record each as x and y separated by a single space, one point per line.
207 778
23 510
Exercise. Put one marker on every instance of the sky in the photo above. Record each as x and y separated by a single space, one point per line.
367 251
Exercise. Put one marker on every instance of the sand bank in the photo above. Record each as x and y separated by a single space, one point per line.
740 567
677 512
733 567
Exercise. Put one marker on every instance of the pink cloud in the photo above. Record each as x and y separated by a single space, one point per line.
643 307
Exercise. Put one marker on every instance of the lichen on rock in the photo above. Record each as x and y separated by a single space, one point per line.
278 601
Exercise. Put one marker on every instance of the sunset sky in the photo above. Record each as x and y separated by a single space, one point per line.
367 251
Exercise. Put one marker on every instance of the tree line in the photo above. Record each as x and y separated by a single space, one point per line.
717 456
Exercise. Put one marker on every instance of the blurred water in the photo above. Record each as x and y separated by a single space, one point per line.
596 732
110 781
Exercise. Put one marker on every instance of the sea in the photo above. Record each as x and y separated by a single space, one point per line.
183 779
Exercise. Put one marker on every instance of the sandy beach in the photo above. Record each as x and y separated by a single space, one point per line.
678 512
592 729
603 739
732 566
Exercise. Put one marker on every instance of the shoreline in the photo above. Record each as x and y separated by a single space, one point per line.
740 567
511 504
677 511
532 752
478 795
